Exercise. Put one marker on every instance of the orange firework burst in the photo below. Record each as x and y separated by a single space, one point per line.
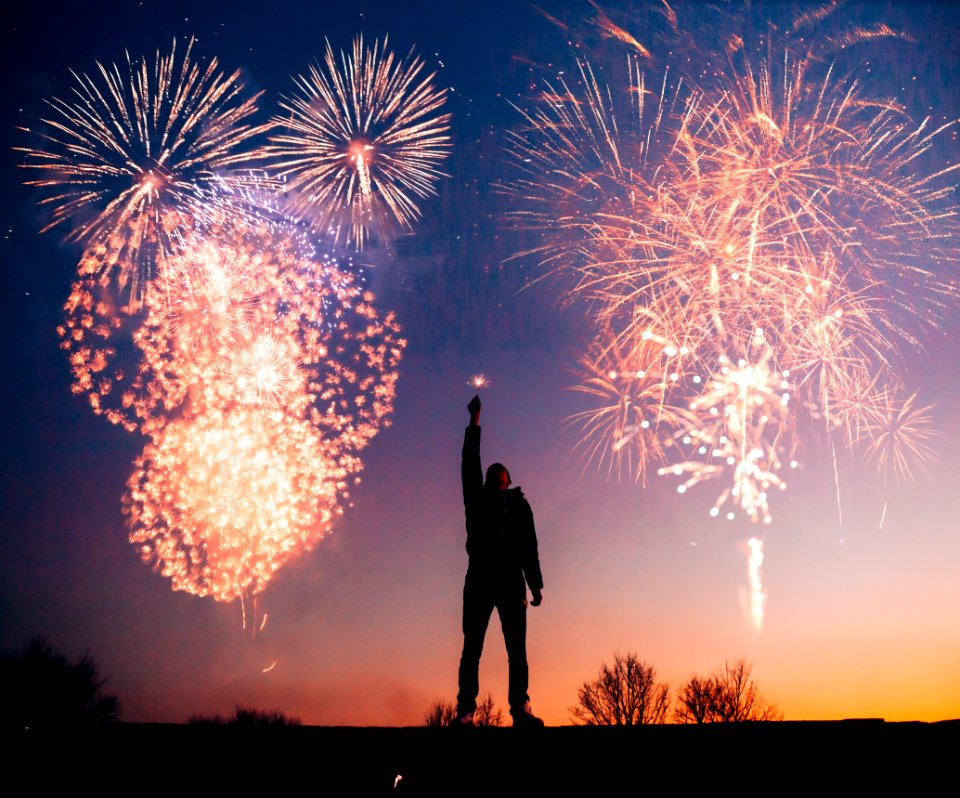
260 376
134 146
240 317
771 198
220 501
362 142
263 377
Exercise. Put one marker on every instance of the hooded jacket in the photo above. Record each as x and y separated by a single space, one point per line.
501 538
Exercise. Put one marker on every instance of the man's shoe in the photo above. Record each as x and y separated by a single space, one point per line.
525 719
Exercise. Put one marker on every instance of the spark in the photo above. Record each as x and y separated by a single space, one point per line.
479 381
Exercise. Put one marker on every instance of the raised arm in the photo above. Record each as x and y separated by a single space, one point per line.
474 409
471 472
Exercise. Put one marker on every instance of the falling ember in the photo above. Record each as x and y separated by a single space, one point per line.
269 667
361 142
758 596
479 381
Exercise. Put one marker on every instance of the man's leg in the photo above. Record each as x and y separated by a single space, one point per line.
477 606
513 620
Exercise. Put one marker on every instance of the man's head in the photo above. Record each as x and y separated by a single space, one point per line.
498 478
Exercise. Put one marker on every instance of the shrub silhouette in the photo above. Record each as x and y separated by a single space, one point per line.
247 717
46 690
442 713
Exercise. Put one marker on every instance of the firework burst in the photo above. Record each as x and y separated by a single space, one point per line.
263 376
204 317
361 142
740 425
772 199
636 386
901 436
219 502
126 157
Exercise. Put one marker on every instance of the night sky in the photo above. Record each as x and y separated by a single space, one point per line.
861 621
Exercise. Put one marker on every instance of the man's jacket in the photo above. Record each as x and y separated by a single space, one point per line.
501 538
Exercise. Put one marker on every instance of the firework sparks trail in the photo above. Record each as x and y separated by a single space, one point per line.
133 149
479 381
758 596
773 196
901 436
638 383
362 142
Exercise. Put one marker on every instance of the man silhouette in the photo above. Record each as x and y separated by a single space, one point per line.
502 550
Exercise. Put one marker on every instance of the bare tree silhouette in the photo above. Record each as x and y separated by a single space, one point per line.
695 701
46 690
728 696
626 694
